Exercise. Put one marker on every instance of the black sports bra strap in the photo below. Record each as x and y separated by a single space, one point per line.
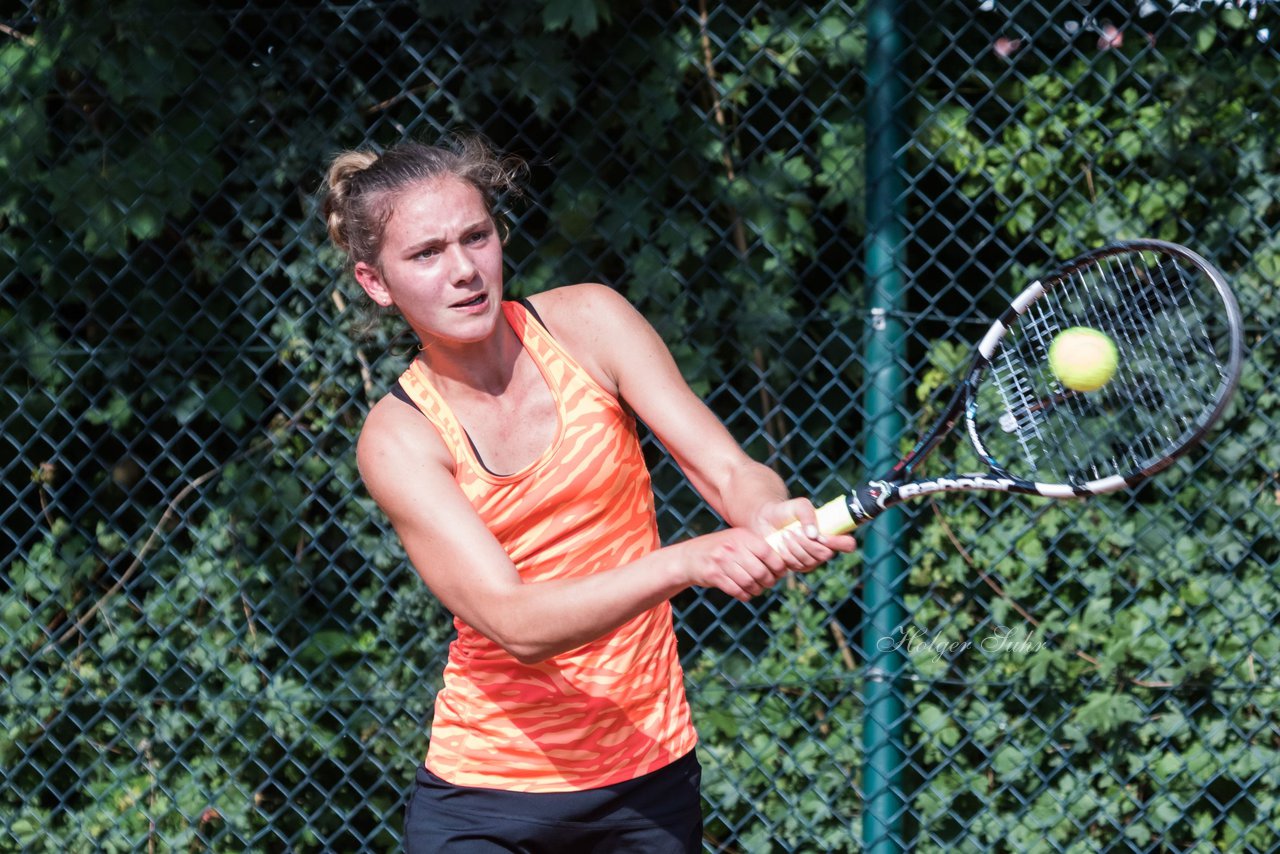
398 392
528 306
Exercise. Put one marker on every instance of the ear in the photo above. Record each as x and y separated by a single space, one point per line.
370 278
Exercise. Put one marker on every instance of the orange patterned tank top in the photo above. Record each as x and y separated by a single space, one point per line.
608 711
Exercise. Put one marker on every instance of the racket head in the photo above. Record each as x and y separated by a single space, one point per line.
1178 334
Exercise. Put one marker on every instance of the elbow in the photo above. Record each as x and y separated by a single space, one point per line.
528 634
521 644
528 656
500 615
526 652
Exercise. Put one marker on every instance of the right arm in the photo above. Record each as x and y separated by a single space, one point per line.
407 470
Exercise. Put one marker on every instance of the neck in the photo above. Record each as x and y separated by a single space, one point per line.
485 366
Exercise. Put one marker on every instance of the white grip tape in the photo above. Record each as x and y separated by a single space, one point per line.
833 518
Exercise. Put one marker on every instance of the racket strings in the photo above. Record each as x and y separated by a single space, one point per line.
1021 404
1158 310
1121 319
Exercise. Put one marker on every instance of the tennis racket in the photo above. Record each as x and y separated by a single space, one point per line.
1177 331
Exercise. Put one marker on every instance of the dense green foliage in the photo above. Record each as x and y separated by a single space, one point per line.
1122 680
209 637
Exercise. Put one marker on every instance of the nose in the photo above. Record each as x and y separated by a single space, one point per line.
461 267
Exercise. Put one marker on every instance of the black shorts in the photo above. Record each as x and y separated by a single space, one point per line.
659 813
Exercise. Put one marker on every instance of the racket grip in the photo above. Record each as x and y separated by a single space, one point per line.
833 518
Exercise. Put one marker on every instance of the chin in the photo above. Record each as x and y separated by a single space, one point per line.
469 327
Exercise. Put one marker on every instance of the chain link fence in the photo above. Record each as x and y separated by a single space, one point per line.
210 638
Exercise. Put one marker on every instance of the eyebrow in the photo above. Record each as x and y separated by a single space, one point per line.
432 242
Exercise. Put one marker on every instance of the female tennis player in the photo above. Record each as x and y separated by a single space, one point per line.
507 459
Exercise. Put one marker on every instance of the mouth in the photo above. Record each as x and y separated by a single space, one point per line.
479 299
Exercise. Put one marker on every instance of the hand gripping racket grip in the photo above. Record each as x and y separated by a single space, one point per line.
843 514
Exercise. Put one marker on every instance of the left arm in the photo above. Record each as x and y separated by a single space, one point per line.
619 346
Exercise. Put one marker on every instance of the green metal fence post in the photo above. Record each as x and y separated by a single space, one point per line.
883 723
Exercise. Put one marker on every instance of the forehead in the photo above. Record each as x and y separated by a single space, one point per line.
439 205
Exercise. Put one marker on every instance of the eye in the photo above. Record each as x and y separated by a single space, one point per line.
479 236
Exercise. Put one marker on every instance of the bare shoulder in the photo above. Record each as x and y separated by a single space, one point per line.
594 323
588 305
396 439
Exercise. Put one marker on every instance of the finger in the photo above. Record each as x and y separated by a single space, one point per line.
769 569
840 542
772 558
794 547
734 590
796 512
801 518
806 515
747 576
752 586
807 553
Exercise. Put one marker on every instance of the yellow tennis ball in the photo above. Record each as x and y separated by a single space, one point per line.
1082 359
